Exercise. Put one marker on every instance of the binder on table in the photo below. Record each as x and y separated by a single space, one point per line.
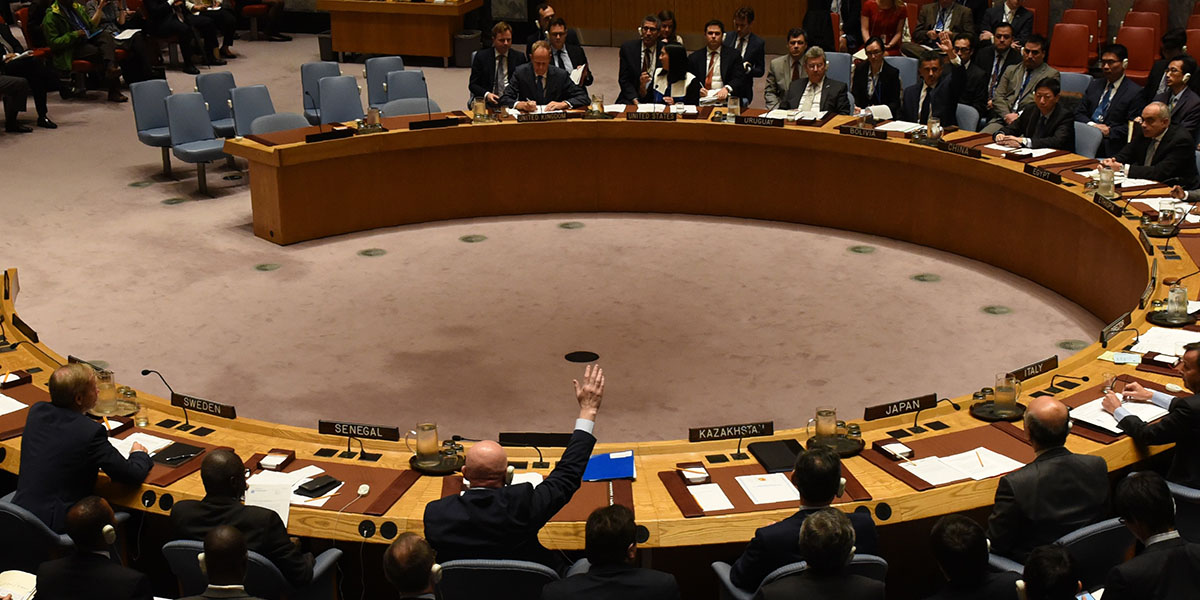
614 465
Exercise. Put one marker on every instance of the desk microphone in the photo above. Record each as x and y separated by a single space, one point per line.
1174 281
1125 206
917 416
186 424
430 122
1054 390
13 346
541 463
1175 229
320 125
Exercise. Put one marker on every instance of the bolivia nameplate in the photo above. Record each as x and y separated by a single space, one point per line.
1113 328
900 407
959 149
1145 240
1037 368
651 116
759 121
1043 174
539 117
731 432
863 132
208 407
1108 204
359 430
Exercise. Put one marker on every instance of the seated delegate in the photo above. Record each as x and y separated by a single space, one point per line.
538 83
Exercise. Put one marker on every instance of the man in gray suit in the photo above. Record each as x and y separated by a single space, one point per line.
934 18
817 92
786 68
224 561
1014 93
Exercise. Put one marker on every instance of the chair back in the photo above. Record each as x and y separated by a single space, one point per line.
215 89
913 11
1096 549
1159 7
839 66
865 565
494 579
250 103
188 119
1076 83
376 71
1142 45
1193 42
405 84
908 66
408 106
37 541
340 100
310 76
277 122
149 106
967 117
1041 15
1069 52
263 579
1143 19
1193 21
1085 16
1187 500
22 16
1101 8
835 21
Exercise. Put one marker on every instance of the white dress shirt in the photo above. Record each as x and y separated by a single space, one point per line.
811 100
1157 398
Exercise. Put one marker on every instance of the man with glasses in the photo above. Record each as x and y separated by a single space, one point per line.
935 95
639 59
1182 102
1014 93
934 19
568 56
1012 12
817 92
876 82
1050 126
1111 101
545 16
975 88
786 68
993 59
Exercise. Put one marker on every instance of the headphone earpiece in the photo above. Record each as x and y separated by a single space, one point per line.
203 565
841 487
435 574
110 534
508 474
1125 63
1187 77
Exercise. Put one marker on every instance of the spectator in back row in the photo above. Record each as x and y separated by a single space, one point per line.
224 563
72 36
38 79
1144 503
90 572
409 564
611 548
961 549
493 67
827 543
1050 574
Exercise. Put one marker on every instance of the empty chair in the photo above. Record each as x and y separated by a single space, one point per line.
908 67
1142 45
1075 82
376 73
1095 550
1187 500
193 139
1143 19
277 122
340 100
37 541
405 84
1087 140
1158 7
865 565
310 78
494 579
1086 17
967 117
1193 43
249 103
1041 15
1193 21
1069 52
215 89
150 116
839 66
263 578
408 106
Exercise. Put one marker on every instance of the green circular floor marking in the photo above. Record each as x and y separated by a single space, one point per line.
926 277
861 249
996 309
473 238
372 252
571 225
267 266
1073 344
232 177
141 184
174 201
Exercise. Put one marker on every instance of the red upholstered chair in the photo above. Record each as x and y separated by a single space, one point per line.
1041 15
836 20
1193 44
256 11
22 15
1142 45
1143 19
913 11
1069 52
1086 17
1159 7
1194 20
1101 8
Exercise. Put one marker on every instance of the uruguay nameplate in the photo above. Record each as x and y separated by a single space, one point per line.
1043 174
1108 204
759 121
208 407
651 116
900 407
539 117
959 149
863 132
731 432
1037 368
359 430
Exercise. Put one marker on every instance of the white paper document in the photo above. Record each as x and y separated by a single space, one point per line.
151 442
10 405
651 107
1031 152
1131 182
981 463
129 33
614 108
769 488
933 470
319 501
19 584
685 109
275 497
1093 413
9 377
812 115
577 74
779 114
1164 341
898 125
710 497
880 112
533 478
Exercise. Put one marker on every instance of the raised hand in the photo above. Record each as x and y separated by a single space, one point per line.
590 394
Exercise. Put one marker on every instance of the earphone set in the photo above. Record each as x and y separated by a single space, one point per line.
110 534
508 475
1187 77
841 487
203 565
363 490
1124 63
435 574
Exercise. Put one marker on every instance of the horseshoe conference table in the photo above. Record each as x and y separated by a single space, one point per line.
983 208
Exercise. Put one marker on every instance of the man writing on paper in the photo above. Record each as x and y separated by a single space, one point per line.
817 92
1181 426
1055 494
719 67
224 477
537 83
818 477
496 520
1050 126
62 449
1159 151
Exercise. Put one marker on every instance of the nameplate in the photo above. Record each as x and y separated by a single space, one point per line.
1145 240
536 439
959 149
863 132
1154 271
1108 204
1037 368
1113 328
208 407
539 117
335 134
900 407
1149 291
1041 173
759 121
651 116
359 430
731 432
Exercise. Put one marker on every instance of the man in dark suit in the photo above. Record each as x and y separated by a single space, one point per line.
537 83
1158 152
14 90
568 56
935 18
817 475
495 520
1174 43
40 77
90 572
1111 101
638 61
62 449
719 67
1144 502
786 68
1049 574
409 565
974 92
817 92
224 477
749 46
1012 12
546 14
611 548
224 562
1055 494
492 68
1181 426
876 82
1014 92
1182 102
993 59
1050 126
937 94
827 543
961 550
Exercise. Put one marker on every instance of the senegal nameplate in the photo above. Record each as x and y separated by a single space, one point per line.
1108 204
759 121
1041 173
863 132
731 432
900 407
1037 368
959 149
208 407
539 117
651 116
359 430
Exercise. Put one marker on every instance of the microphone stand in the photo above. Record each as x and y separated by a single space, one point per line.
13 346
1054 390
187 425
430 122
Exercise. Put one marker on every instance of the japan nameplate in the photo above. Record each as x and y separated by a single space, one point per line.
900 407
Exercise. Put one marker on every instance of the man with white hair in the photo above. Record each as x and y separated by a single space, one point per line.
1159 152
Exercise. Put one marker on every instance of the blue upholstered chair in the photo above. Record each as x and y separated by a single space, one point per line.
1087 139
1187 501
1095 549
907 66
405 84
278 122
866 565
1075 82
311 75
150 116
38 541
408 106
495 579
376 71
968 117
192 137
263 578
340 99
215 89
839 66
249 103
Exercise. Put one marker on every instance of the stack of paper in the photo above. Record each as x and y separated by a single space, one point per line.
9 377
768 488
651 107
933 470
981 463
880 112
152 443
780 114
710 497
1131 182
614 108
577 74
685 109
812 115
289 481
1165 341
898 125
10 405
1093 414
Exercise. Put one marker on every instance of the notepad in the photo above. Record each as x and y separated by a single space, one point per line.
10 405
933 470
768 488
152 443
1164 341
710 497
614 465
129 33
981 463
577 74
532 478
19 584
898 125
1093 414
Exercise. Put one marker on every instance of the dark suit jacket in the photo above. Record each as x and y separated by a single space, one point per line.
630 71
833 96
483 70
961 21
1186 113
887 89
264 530
559 88
61 452
975 92
1046 499
777 545
578 57
996 585
946 95
732 73
1135 578
1125 104
1181 426
984 61
1156 75
756 55
978 8
811 586
1058 133
1022 22
1175 157
222 595
1181 575
504 522
89 575
614 582
572 38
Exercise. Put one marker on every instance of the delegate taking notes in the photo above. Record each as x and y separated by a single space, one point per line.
1093 413
151 442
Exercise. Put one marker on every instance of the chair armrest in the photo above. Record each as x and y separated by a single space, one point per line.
731 591
582 565
325 561
1184 492
1004 564
120 517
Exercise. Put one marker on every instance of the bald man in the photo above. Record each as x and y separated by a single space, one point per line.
224 563
495 520
1055 494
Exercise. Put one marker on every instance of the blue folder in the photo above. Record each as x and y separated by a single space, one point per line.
614 465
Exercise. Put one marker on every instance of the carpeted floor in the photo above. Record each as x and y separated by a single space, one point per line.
697 321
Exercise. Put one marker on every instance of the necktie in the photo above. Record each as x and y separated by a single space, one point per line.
500 78
796 70
1102 108
742 47
1021 92
809 97
1150 153
712 63
926 102
561 65
1041 127
541 88
646 61
1171 105
941 22
995 75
